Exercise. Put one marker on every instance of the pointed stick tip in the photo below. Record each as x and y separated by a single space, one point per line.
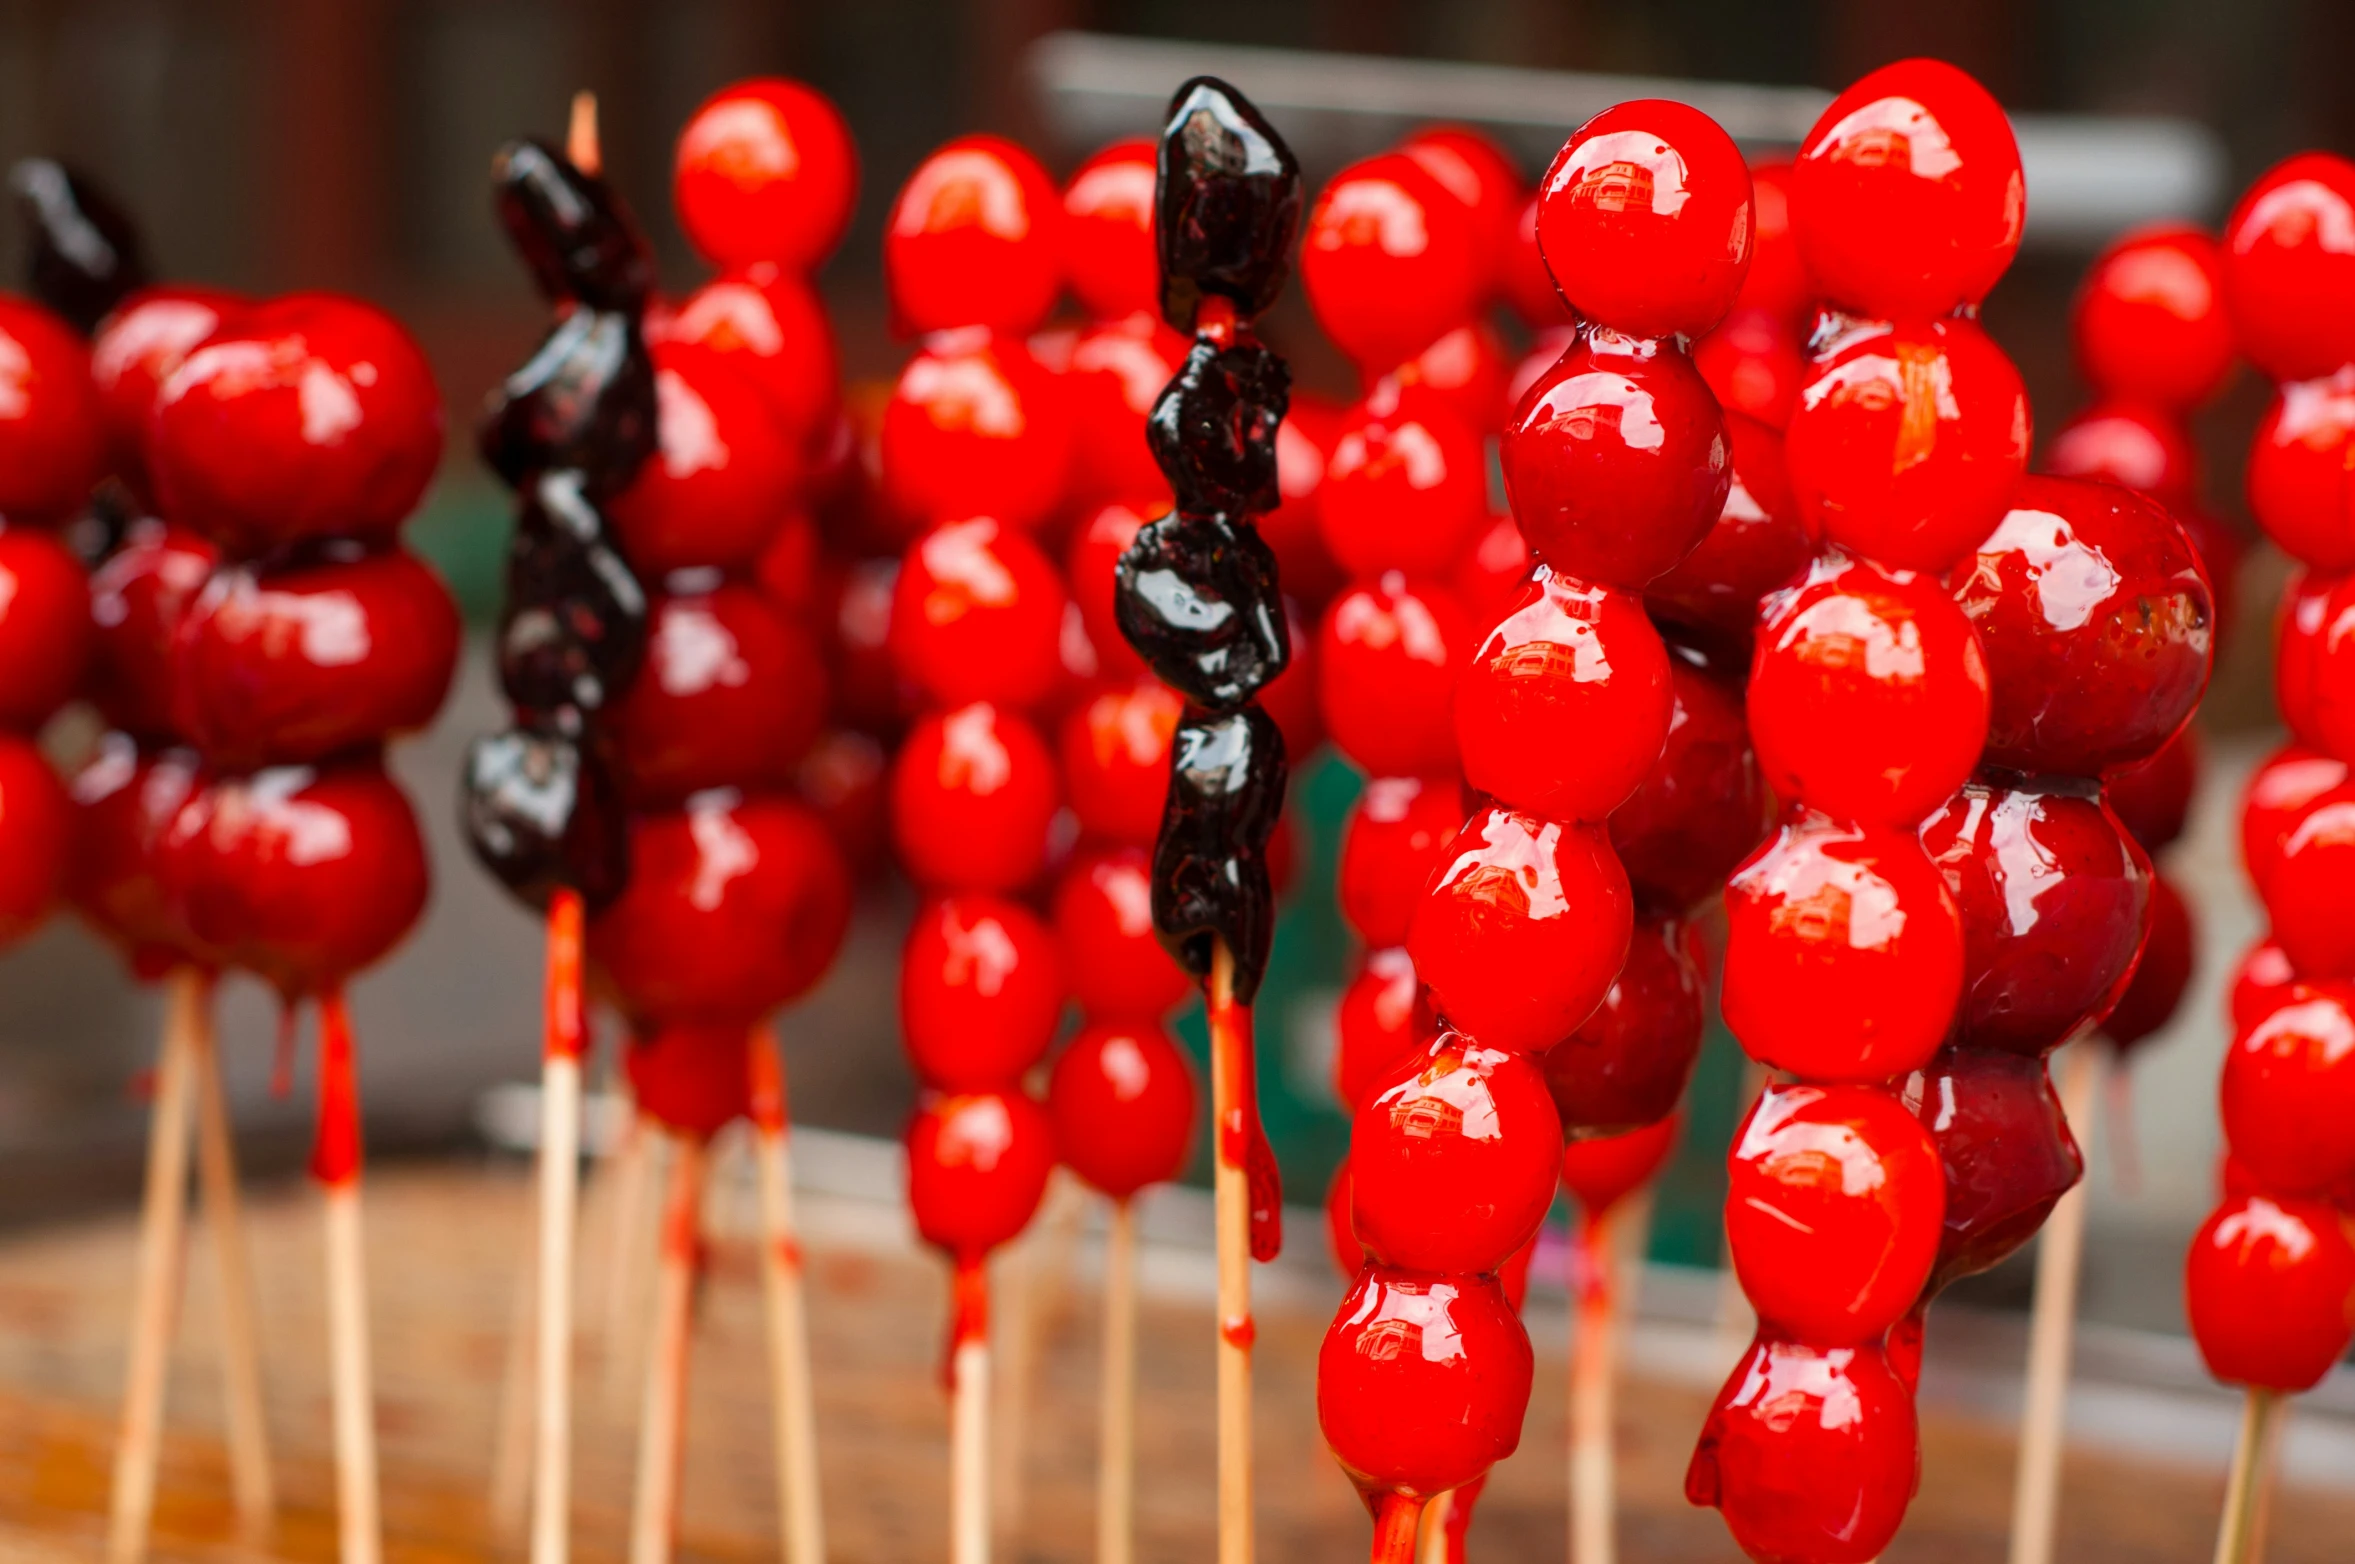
580 135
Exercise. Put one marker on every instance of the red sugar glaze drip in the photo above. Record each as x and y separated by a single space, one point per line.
767 1068
1242 1142
335 1148
1215 319
968 1312
568 1026
1239 1332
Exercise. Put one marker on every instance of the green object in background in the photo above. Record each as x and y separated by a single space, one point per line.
462 532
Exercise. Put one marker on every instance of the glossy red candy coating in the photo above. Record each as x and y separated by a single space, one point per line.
1523 930
1380 1022
1627 1064
2131 445
2278 794
136 347
1644 219
1395 840
302 875
1340 1237
1390 260
2305 890
2297 485
1115 751
2263 980
125 798
307 416
45 626
1452 1158
1090 567
36 838
1294 530
869 694
1812 1453
977 614
2314 670
2156 990
290 665
1480 175
2289 267
1523 279
1116 374
2270 1291
2095 621
1757 544
2006 1148
1108 246
2289 1092
1493 570
1387 656
1843 952
137 600
1616 460
52 432
2149 321
1752 365
1465 369
1908 440
841 779
1701 808
1777 281
2300 628
733 694
794 572
1868 693
976 426
1113 961
2055 898
1834 1200
977 1166
1599 1171
975 238
735 905
1405 486
772 325
980 992
1422 1381
973 796
1907 195
1123 1100
766 171
693 1077
724 477
1563 709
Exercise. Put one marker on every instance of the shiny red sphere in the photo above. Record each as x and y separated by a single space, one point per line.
307 416
973 797
45 626
1466 370
2297 473
1123 1100
1701 807
2269 1288
692 1077
1908 440
135 350
772 325
2305 890
1868 692
1112 959
1294 530
137 600
766 171
2131 445
1757 544
1599 1171
1523 930
2314 668
1907 196
1452 1159
977 614
980 992
36 839
1843 952
1090 569
1117 372
975 238
1405 485
794 572
2149 321
1394 842
1616 460
1480 175
1340 1238
869 694
2263 980
1387 656
2006 1147
977 1168
1422 1381
1390 260
733 694
976 426
125 798
2289 1092
2278 794
1563 709
1522 276
1493 571
1752 365
1627 1064
1644 219
1777 281
1108 231
1381 1021
1833 1206
2289 267
52 429
2156 990
1115 750
724 477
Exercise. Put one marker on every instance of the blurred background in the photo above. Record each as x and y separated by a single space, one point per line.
274 144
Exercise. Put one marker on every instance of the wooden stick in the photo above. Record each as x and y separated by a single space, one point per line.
2236 1536
1027 1306
580 135
662 1422
1431 1542
162 1241
791 1398
629 1172
2036 1486
560 1169
1593 1348
1396 1519
335 1164
1230 1086
251 1480
969 1495
1116 1434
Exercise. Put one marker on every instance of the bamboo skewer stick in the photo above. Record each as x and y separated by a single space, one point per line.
969 1534
335 1164
2036 1488
1593 1353
662 1423
251 1481
559 1185
511 1439
1027 1307
1230 1059
1397 1520
1431 1543
791 1397
1116 1458
2236 1534
162 1244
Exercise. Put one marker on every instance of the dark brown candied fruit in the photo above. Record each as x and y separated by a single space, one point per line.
2006 1148
1227 191
572 229
541 810
1210 877
1213 430
84 255
585 399
1196 596
574 629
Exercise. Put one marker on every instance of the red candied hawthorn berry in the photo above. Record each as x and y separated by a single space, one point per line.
2156 989
723 478
1620 428
1702 807
52 439
1843 952
1405 485
2006 1149
1422 1381
1562 710
135 349
137 598
976 426
2297 470
1091 567
1464 370
1117 372
1644 219
2314 664
2289 267
974 239
1122 1099
1387 656
125 798
1390 260
2094 618
1757 544
1627 1064
1599 1171
1395 839
1908 440
766 171
1293 698
977 614
2289 1092
2305 889
1103 913
1493 571
1523 930
977 1168
733 695
2279 792
2132 446
1115 750
1349 1256
1907 196
1522 276
1381 1021
980 992
36 838
1479 174
794 572
1777 281
841 779
2270 1291
1834 1201
2263 980
1294 530
973 798
45 627
1868 692
2149 322
1108 230
1752 365
772 325
692 1077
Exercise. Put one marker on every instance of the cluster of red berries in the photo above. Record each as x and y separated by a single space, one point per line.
2270 1282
